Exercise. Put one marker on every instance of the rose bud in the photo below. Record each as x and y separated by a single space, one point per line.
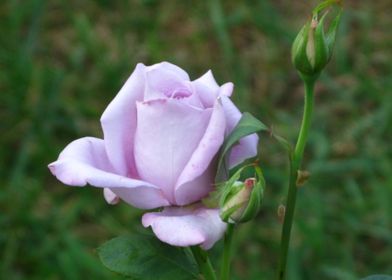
241 201
312 48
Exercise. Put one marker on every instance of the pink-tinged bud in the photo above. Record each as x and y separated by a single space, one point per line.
249 183
313 46
240 201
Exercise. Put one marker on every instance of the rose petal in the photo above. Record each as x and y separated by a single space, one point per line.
197 188
171 67
110 196
193 100
167 134
84 161
247 146
186 226
166 82
207 89
119 123
162 83
226 89
189 187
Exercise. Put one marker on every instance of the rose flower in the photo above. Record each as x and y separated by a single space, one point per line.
162 133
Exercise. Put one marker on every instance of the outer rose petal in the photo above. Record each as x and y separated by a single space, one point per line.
192 185
247 146
186 226
167 134
119 123
171 67
84 161
207 89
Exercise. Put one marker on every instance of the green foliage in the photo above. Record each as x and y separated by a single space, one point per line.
143 257
378 277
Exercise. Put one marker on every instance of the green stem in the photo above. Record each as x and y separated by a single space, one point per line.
295 164
227 250
204 263
306 121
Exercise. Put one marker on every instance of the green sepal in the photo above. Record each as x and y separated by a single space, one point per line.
214 199
326 4
330 36
322 52
229 188
298 51
226 215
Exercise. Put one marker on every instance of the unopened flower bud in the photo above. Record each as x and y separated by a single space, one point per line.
241 201
312 48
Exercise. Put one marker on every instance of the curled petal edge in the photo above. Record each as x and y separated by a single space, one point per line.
186 226
84 161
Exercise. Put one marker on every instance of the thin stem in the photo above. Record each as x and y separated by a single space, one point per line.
204 263
227 250
295 163
306 121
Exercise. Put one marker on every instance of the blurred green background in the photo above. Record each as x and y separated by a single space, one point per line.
61 62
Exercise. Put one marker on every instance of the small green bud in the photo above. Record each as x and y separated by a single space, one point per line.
313 46
240 201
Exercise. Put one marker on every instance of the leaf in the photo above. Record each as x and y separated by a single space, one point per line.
247 125
141 256
378 277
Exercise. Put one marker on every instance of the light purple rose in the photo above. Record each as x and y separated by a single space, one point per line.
162 133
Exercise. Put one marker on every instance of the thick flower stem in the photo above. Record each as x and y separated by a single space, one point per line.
204 263
295 164
227 250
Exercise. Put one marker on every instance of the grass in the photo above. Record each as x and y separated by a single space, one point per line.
63 61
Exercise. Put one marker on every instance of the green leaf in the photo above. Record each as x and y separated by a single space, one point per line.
247 125
144 257
378 277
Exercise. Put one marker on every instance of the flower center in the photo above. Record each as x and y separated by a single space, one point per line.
180 93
